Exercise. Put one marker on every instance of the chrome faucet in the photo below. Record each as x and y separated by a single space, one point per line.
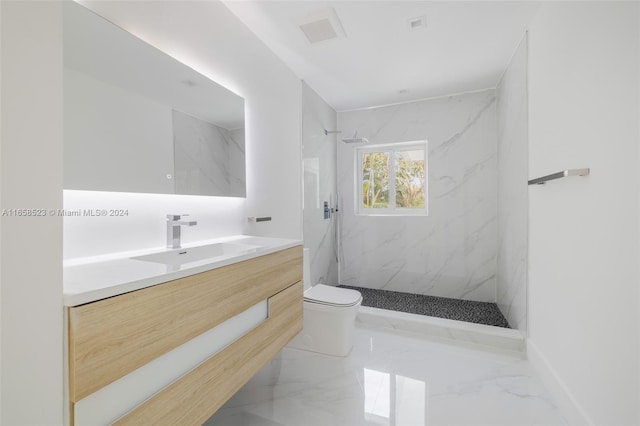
174 225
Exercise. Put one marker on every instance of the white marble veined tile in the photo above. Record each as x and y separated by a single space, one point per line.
452 251
513 191
392 379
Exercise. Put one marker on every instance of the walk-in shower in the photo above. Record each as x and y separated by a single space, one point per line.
462 310
441 261
468 244
399 300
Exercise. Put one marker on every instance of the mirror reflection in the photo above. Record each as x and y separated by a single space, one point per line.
137 120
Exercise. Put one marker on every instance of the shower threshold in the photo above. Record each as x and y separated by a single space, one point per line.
485 313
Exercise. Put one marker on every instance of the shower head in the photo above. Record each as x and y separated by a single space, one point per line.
355 139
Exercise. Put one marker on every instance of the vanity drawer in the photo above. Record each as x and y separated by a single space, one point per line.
197 395
113 337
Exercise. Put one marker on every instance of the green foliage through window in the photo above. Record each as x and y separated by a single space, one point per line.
410 179
393 178
375 180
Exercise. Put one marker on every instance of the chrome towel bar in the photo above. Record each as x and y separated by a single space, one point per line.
558 175
259 219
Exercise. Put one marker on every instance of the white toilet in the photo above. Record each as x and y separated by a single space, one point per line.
329 316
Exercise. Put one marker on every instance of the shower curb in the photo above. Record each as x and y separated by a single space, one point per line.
452 330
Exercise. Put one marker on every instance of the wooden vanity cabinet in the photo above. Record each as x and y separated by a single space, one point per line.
110 338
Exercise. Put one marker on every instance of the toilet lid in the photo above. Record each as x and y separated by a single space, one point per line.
329 295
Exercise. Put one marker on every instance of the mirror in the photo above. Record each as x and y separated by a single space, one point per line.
137 120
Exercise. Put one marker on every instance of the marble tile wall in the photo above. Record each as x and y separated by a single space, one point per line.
513 205
208 160
319 165
452 251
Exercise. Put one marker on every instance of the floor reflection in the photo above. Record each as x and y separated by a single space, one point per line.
393 399
392 379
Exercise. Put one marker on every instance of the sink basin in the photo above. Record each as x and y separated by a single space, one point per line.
194 254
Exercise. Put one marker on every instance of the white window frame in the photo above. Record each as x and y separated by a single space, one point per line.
391 149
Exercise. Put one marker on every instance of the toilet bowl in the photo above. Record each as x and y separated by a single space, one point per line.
329 316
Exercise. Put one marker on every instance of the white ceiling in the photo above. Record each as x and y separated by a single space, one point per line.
465 46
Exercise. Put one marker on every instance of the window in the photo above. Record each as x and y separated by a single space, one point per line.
392 179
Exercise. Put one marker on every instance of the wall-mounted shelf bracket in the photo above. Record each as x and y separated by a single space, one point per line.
570 172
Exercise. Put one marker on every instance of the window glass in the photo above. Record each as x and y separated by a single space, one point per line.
375 180
410 179
392 179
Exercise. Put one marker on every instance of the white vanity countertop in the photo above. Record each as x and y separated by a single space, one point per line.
94 278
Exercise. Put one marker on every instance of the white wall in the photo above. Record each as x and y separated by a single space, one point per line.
583 236
319 167
452 251
209 38
31 247
144 225
513 194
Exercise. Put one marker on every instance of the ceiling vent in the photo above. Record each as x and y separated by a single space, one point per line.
417 23
321 26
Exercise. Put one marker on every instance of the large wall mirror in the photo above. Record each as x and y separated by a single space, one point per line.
137 120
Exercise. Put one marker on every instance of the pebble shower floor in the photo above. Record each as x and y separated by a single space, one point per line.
442 307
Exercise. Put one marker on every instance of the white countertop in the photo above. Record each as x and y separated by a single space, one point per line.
94 278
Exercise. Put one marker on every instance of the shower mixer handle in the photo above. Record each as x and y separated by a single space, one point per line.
327 212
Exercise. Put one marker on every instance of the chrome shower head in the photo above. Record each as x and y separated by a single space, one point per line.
355 139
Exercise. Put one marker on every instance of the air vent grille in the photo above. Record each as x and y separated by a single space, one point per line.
321 26
417 23
318 31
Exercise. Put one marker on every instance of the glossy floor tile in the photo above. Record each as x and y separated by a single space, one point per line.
462 332
392 379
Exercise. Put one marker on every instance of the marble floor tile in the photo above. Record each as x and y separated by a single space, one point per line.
392 379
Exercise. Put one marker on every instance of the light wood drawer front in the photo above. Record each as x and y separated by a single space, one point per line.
201 392
112 337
